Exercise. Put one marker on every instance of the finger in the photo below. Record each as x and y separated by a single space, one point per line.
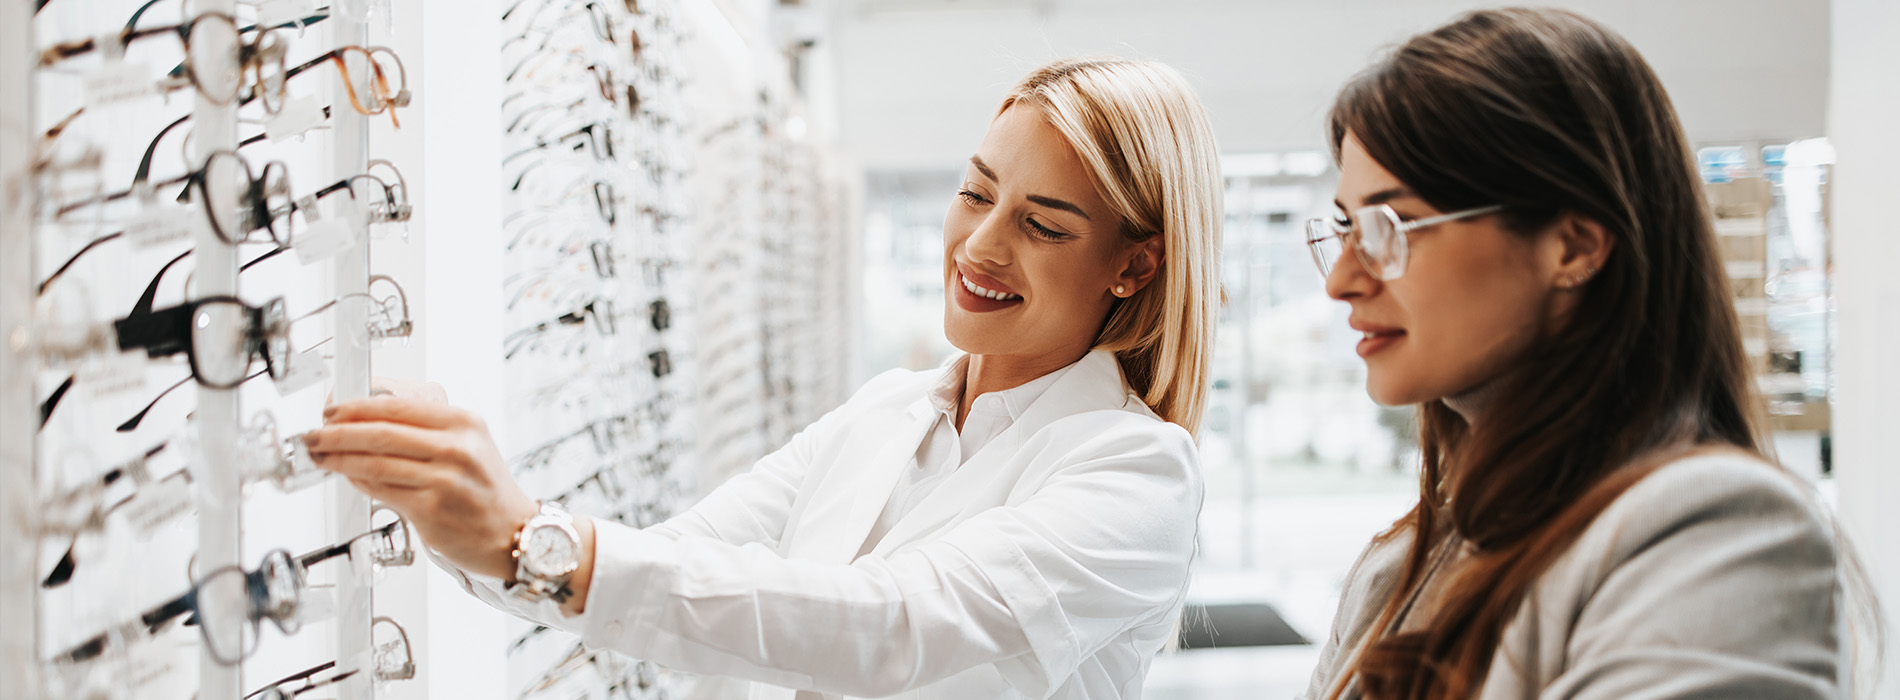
372 489
396 409
382 473
402 499
410 389
386 439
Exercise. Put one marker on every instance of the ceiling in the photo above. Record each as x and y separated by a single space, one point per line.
910 84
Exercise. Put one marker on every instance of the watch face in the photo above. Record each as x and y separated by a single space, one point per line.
550 552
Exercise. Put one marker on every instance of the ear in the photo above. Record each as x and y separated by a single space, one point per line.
1139 265
1577 249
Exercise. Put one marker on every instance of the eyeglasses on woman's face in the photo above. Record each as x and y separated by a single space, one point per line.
1377 235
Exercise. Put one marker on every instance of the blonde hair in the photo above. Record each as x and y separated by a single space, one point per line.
1147 145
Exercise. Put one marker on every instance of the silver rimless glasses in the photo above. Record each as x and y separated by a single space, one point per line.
1379 237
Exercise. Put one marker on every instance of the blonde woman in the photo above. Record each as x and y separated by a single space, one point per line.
1016 524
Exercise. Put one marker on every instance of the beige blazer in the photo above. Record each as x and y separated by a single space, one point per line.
1715 577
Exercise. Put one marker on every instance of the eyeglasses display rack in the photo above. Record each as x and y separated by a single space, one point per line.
672 285
155 556
773 330
192 192
597 352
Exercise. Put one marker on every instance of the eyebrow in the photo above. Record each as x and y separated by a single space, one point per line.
1381 197
1050 202
982 167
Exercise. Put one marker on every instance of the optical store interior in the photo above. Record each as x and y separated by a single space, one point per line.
352 345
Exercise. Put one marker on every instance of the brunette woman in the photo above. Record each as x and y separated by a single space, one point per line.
1532 263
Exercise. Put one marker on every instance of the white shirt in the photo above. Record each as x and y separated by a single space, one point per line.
1051 563
945 448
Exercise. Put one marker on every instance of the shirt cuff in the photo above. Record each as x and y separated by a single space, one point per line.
621 589
494 592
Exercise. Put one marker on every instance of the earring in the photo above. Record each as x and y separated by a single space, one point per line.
1575 281
1121 290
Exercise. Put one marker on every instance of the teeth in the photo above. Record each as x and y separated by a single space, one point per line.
987 293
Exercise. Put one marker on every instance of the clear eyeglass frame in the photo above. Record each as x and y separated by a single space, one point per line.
1377 235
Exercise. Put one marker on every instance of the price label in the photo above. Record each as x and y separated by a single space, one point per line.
146 663
323 240
157 503
317 604
328 236
159 225
307 369
113 374
118 81
304 471
299 115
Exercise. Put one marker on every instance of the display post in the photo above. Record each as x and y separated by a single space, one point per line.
214 128
19 620
350 508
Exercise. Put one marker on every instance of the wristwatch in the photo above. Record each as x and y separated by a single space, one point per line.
547 550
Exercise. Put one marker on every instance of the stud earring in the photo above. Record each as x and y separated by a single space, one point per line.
1121 290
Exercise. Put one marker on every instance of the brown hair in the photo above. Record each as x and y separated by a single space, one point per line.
1549 114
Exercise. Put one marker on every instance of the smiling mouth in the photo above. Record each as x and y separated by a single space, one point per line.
979 290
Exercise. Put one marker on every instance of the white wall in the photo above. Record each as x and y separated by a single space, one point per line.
1864 96
916 86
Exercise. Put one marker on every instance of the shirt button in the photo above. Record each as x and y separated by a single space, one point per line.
614 629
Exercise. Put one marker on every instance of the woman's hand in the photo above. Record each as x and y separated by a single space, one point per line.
435 464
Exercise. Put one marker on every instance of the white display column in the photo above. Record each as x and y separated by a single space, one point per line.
18 608
449 264
350 509
214 129
1864 97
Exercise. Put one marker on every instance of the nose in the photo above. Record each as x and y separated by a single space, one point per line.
1348 279
989 243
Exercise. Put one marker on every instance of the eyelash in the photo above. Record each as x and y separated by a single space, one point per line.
1029 225
1039 231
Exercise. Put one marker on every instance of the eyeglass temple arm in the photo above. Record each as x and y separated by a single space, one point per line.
132 23
133 423
64 50
151 292
381 79
158 616
274 252
68 265
144 305
343 548
71 207
52 402
342 66
323 14
1454 216
84 651
298 676
144 171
